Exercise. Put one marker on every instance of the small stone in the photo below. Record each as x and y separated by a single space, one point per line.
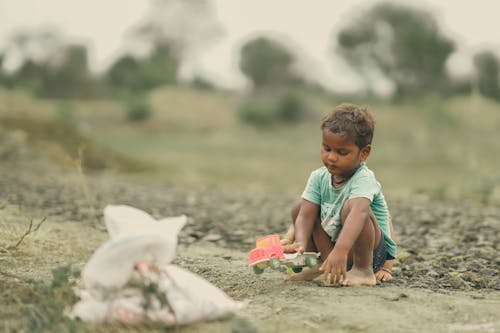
212 237
457 283
238 232
250 240
189 240
404 256
433 274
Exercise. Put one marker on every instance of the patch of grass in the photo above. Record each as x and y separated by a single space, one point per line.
63 141
195 138
36 306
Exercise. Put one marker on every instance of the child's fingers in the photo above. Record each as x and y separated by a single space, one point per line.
292 248
383 276
387 277
285 241
343 275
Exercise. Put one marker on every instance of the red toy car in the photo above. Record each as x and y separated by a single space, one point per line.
269 252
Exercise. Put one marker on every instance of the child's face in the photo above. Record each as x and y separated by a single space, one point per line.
340 154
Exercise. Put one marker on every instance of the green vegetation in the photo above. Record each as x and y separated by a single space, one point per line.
262 110
442 148
399 44
488 74
402 43
129 74
138 109
267 63
64 138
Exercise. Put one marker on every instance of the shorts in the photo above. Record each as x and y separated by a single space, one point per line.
379 256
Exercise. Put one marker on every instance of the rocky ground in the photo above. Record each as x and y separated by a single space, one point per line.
447 277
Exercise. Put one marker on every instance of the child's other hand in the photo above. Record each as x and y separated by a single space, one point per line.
334 268
292 248
383 275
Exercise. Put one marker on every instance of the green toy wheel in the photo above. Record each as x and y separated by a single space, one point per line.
257 270
311 262
274 263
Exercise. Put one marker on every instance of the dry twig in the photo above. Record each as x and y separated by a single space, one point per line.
29 231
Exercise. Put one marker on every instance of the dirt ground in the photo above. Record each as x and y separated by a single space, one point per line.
446 280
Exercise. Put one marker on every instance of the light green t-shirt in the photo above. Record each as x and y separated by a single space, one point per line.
319 190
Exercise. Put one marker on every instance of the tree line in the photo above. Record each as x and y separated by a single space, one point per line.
400 43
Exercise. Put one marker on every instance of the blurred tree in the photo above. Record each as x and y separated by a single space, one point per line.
402 43
188 27
3 75
129 74
264 110
48 67
42 46
488 70
267 63
71 76
26 54
29 77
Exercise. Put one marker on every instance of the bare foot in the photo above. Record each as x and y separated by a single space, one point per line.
360 277
305 275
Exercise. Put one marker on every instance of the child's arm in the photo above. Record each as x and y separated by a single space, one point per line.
304 225
358 212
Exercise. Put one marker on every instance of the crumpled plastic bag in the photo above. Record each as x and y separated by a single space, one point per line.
129 279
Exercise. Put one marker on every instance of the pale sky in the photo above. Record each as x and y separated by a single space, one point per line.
305 24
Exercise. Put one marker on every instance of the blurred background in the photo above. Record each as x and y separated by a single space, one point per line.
231 93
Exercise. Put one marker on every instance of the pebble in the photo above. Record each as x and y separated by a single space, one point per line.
212 237
404 256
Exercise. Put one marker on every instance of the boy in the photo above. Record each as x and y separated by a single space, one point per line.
343 213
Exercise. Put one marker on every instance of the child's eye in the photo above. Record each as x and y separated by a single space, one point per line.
342 152
326 148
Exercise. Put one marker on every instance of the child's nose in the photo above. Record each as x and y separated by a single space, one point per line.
332 157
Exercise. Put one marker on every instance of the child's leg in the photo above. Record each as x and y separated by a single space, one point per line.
361 272
290 234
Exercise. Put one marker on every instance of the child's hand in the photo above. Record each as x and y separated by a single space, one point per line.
295 247
334 268
385 272
383 275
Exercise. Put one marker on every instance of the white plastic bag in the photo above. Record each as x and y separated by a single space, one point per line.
120 274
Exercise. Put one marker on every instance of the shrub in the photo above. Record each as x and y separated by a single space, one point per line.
138 109
290 108
264 111
257 113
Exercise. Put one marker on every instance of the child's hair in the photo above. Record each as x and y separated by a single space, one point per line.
356 121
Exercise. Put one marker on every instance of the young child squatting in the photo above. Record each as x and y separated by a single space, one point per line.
343 213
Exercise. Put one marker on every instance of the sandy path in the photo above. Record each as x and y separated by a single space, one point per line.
276 306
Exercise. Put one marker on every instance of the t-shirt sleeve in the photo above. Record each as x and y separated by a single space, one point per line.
312 192
364 187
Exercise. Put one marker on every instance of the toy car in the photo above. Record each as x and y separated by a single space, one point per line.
268 252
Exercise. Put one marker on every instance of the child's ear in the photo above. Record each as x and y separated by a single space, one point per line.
365 152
